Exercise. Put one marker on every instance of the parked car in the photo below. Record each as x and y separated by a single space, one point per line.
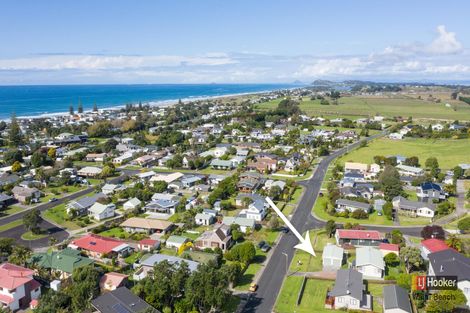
285 230
265 248
261 244
53 199
253 287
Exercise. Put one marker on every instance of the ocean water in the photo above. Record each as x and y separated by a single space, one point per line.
43 100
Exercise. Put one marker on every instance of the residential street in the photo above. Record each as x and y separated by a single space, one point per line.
270 282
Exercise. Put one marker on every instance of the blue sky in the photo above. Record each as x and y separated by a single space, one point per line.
149 41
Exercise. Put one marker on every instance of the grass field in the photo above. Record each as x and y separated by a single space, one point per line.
449 153
373 219
314 296
11 225
386 106
58 215
30 236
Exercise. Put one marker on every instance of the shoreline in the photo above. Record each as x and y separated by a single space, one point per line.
153 104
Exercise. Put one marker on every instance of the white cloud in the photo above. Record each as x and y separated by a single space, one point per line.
442 58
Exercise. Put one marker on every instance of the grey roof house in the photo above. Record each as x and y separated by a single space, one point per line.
396 300
351 206
121 300
332 257
349 292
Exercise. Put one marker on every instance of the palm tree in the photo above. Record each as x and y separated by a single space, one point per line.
20 255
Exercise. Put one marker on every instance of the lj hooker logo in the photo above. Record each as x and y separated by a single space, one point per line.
434 282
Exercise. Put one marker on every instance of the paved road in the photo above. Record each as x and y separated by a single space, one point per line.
55 231
270 282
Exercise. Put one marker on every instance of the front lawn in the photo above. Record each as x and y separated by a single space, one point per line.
413 221
374 218
58 215
30 236
313 299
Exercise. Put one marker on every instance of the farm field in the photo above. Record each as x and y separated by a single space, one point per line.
449 153
387 106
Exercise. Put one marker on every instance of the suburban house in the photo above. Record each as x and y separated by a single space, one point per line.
396 300
428 192
148 264
167 178
146 160
249 182
81 206
146 225
204 219
62 262
432 245
358 237
132 204
221 164
332 257
95 157
451 263
98 247
26 195
387 248
163 203
101 211
5 200
244 223
176 241
121 300
369 261
111 281
263 163
413 208
218 238
89 171
351 206
148 245
407 170
123 158
354 166
17 287
349 292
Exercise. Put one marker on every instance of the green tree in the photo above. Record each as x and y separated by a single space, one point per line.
95 107
432 165
16 167
396 237
80 107
275 192
445 301
391 259
84 287
388 210
330 228
244 252
454 242
12 155
6 246
273 223
15 136
31 221
19 255
390 183
411 256
71 112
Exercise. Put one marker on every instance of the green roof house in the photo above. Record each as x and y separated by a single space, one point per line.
62 262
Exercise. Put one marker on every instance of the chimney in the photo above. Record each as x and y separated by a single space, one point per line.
442 268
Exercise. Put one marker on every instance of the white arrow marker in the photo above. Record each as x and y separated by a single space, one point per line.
305 244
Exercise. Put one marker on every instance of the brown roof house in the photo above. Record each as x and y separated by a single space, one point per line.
25 194
218 238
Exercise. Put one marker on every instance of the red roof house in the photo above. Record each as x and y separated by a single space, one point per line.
98 246
432 245
148 244
358 237
387 248
17 286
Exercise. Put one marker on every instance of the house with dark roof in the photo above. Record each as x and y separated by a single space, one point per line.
5 200
81 206
349 292
413 208
396 300
351 206
429 192
121 300
451 263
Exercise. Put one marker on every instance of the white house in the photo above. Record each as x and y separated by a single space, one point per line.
332 257
369 261
256 210
101 211
132 204
203 219
409 170
17 287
